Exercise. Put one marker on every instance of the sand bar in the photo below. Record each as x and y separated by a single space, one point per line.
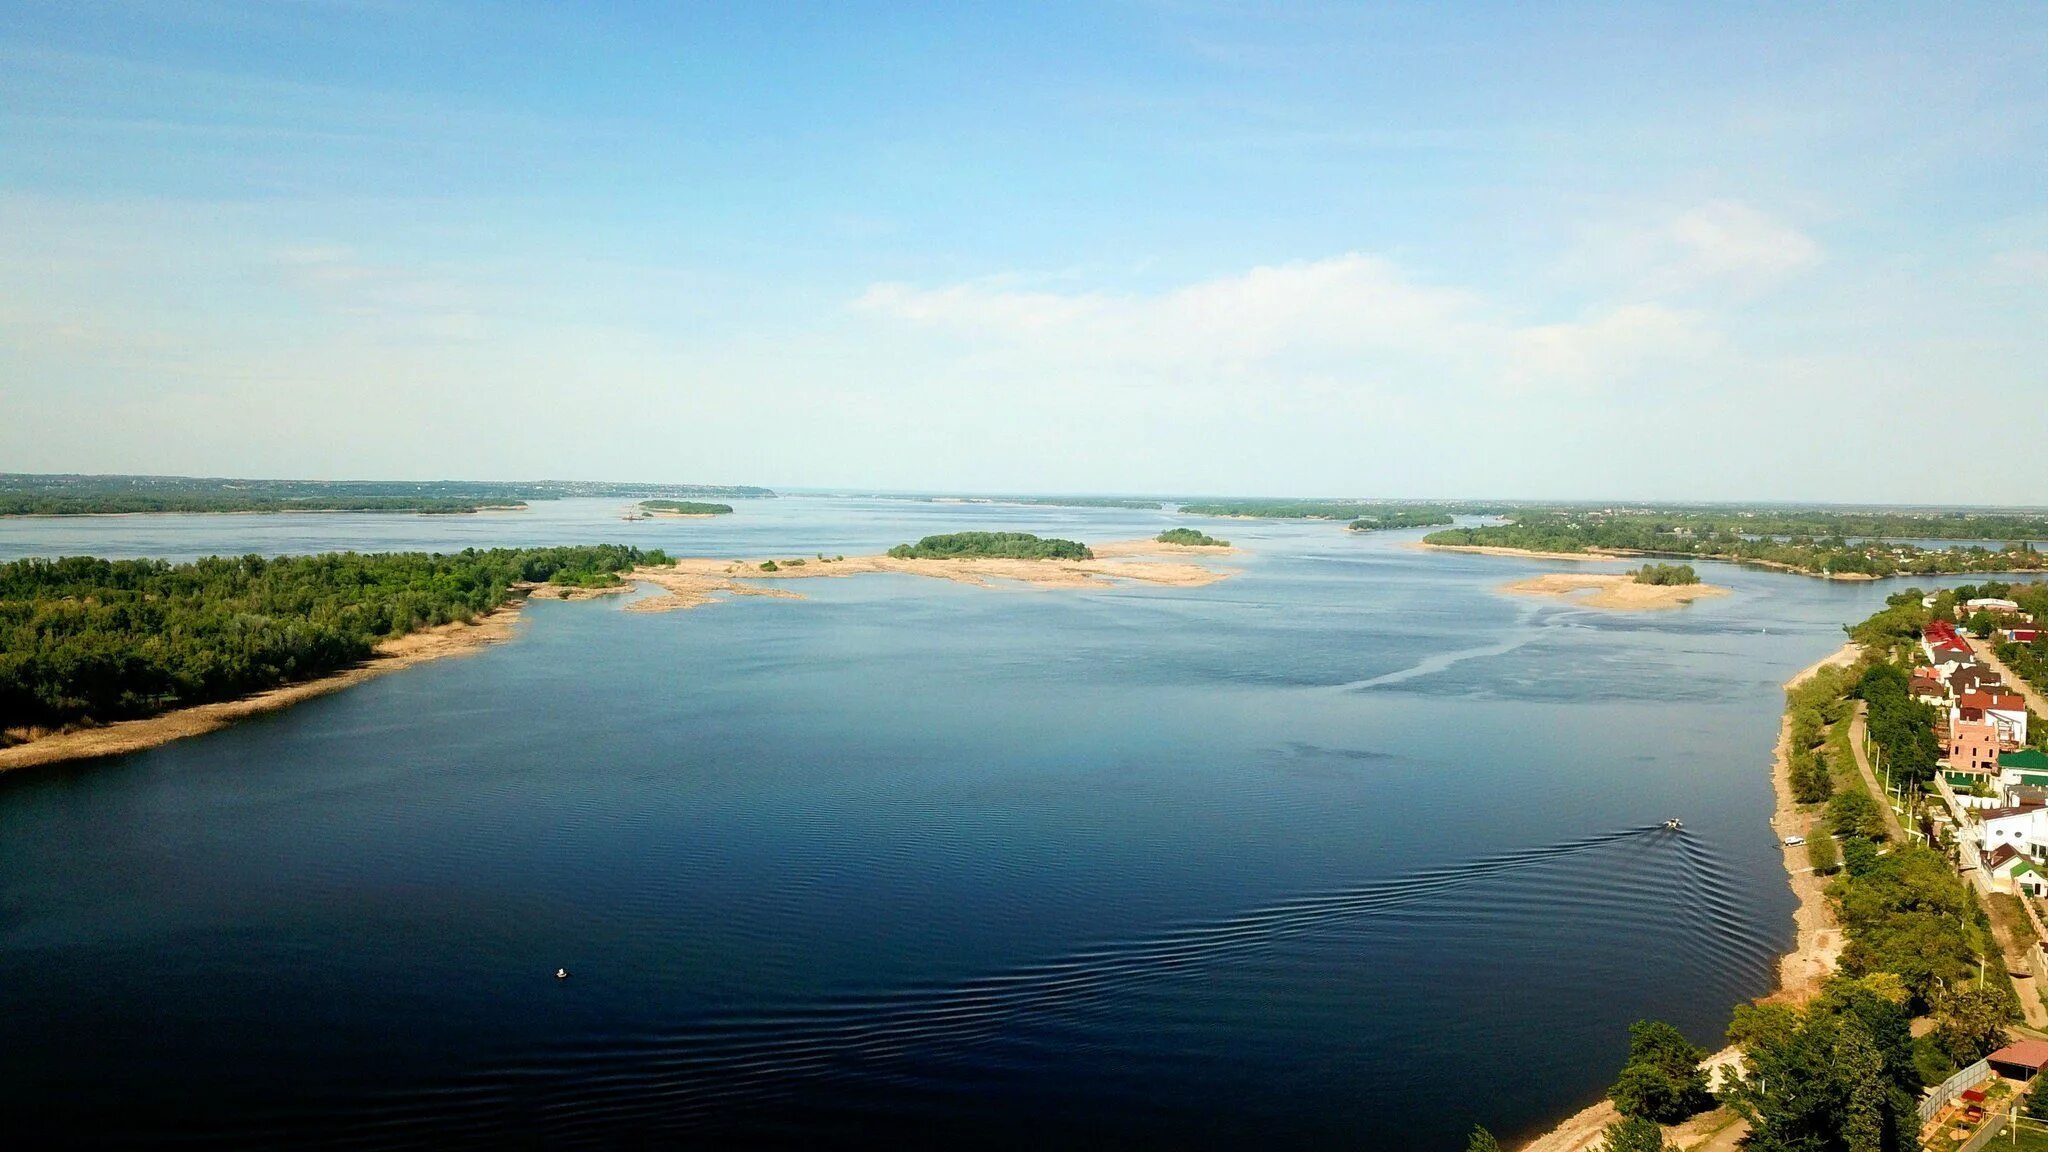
691 583
1615 591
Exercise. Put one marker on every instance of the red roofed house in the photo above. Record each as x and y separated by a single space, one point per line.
1927 686
2020 1061
2008 714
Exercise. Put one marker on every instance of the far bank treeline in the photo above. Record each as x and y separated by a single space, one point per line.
30 494
87 641
1816 542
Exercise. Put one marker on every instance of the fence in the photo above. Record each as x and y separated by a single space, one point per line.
1952 1087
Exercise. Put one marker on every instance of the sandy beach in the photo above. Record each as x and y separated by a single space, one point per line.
691 583
1615 591
1801 972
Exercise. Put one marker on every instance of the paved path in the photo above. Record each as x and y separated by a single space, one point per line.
1857 735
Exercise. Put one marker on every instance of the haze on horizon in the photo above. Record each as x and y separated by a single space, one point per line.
1666 252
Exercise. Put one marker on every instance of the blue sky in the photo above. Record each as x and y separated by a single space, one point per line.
1657 251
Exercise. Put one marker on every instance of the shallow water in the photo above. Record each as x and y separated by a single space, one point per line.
1348 850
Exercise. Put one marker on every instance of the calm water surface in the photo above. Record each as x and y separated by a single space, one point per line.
1347 851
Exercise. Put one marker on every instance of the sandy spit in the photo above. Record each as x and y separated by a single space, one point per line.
1617 591
1801 972
690 583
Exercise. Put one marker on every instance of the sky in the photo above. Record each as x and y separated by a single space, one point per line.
1651 251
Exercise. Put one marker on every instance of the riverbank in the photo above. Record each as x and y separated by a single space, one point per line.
1816 949
1614 591
391 656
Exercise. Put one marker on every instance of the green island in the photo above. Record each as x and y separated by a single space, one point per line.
1002 545
1190 538
1421 518
86 641
1665 574
1818 543
686 507
1921 990
24 494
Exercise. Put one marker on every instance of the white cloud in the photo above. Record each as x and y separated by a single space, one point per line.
1719 246
1352 321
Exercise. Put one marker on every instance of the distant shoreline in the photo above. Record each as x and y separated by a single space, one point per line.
686 584
1632 554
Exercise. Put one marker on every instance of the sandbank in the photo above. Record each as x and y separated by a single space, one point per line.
1616 591
690 583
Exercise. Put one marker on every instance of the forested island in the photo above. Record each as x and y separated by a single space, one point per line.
1419 518
685 508
1819 544
23 494
89 641
1665 574
1190 538
999 545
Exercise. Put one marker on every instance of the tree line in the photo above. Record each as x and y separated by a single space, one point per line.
1004 545
1751 540
88 641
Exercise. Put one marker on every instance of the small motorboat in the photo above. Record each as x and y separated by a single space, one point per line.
1673 824
561 973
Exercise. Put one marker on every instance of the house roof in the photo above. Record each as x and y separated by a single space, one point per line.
2026 760
1999 855
1991 701
2025 868
1990 814
2025 1053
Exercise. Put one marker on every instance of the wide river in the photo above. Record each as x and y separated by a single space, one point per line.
1347 851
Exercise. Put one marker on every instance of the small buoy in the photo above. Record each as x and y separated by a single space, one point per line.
561 973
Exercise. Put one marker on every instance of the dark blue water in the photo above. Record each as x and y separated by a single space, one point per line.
1346 851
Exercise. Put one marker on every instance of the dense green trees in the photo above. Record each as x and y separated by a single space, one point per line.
1662 1080
1190 538
1902 726
1009 545
1482 1141
1666 574
1907 913
86 641
1632 1134
1818 542
1836 1077
686 507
